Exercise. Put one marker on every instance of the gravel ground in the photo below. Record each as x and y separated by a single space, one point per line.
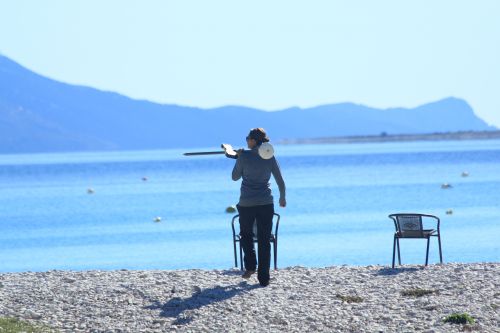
332 299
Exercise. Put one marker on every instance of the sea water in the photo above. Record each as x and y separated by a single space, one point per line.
99 210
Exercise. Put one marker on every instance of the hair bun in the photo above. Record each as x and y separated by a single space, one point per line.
259 135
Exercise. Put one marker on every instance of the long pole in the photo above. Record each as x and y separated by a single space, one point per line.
227 149
204 153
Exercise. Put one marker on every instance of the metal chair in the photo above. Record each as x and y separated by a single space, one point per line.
273 239
410 225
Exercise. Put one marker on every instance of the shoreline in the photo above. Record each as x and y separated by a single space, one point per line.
446 136
331 299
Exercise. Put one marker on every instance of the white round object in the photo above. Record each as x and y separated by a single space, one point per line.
266 151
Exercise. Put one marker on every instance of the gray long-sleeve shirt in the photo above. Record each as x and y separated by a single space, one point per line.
256 172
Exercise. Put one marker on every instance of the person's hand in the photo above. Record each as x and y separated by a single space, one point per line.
282 202
239 152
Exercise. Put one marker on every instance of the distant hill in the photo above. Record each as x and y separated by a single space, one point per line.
38 114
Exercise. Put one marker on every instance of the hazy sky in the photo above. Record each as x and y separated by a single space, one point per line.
267 54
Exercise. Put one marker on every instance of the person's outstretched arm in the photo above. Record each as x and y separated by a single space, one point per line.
279 180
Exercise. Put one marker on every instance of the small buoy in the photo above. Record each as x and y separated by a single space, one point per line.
449 212
231 209
90 190
465 174
144 179
157 219
446 185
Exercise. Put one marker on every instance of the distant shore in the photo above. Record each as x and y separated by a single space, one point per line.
384 137
333 299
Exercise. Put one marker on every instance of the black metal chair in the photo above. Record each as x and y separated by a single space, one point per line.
273 239
411 225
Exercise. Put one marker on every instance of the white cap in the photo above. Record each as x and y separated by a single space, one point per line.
266 150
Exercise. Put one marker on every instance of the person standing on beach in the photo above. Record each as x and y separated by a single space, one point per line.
256 203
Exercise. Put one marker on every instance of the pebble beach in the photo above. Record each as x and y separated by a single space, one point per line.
298 299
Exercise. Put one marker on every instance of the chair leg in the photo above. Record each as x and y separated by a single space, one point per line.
440 253
399 252
241 256
235 255
394 251
275 247
427 252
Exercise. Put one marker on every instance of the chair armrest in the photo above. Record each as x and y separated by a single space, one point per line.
438 221
392 217
277 225
232 224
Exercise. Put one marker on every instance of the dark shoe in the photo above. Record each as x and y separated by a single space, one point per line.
264 283
247 274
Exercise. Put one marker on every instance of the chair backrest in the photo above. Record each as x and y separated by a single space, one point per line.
409 224
276 217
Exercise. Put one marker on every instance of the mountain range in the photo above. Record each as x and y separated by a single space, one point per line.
38 114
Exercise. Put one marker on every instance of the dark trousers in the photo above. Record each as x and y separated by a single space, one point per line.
263 215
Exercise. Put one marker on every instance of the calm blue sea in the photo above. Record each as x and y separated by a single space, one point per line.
339 197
